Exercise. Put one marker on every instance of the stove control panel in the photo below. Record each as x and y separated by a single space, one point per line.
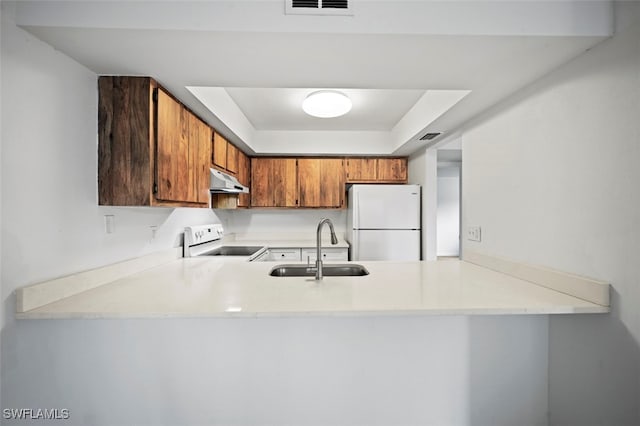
194 235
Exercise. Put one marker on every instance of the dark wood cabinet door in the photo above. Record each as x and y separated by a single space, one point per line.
125 132
392 169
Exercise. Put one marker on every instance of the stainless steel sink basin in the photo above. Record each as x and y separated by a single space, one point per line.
341 270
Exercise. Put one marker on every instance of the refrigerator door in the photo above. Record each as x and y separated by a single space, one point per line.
385 206
385 245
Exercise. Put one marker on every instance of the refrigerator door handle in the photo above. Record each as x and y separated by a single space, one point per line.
355 255
356 210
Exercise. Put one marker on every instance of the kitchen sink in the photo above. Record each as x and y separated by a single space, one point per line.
341 270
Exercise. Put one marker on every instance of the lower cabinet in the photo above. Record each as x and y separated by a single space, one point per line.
329 254
292 254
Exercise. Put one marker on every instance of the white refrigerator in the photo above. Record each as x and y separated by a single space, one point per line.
383 222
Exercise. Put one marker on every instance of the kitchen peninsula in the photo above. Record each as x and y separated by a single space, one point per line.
206 287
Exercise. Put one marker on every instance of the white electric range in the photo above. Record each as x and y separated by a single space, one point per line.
206 240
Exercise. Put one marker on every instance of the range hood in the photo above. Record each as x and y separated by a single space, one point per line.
222 183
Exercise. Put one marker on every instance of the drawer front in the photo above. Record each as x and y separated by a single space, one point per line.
284 254
328 254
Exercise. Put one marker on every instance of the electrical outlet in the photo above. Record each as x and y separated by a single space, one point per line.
109 223
474 233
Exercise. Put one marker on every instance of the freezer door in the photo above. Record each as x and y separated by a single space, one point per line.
385 206
385 245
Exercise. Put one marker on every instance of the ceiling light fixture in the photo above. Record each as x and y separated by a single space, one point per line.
326 104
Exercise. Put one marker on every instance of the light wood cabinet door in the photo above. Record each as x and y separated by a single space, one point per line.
285 182
232 159
200 152
219 151
260 182
392 169
274 182
321 182
172 155
361 169
244 177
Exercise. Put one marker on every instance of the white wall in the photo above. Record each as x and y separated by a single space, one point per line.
1 304
448 211
281 222
552 177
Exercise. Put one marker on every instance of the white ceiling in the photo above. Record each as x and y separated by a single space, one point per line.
280 109
388 57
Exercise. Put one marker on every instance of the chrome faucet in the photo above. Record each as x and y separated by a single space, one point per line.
334 240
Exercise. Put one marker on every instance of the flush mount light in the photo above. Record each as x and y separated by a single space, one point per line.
326 104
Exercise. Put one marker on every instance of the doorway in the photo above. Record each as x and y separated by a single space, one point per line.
448 211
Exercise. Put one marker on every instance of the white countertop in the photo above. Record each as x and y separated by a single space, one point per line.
210 287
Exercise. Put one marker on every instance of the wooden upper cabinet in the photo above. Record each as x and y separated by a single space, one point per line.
392 169
376 170
151 148
125 141
361 169
274 182
220 145
172 161
232 159
200 150
244 177
321 182
225 154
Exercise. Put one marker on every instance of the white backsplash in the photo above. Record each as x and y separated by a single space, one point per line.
262 221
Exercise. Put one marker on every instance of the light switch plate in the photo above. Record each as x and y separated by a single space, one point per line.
474 233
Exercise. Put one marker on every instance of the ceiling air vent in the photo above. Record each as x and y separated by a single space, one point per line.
318 7
429 136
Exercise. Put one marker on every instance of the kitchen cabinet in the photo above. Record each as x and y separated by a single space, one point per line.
274 182
376 170
244 177
220 145
329 254
232 159
225 155
361 169
284 254
392 169
152 151
200 152
321 182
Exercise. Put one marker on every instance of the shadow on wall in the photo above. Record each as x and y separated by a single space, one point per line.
508 359
594 369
